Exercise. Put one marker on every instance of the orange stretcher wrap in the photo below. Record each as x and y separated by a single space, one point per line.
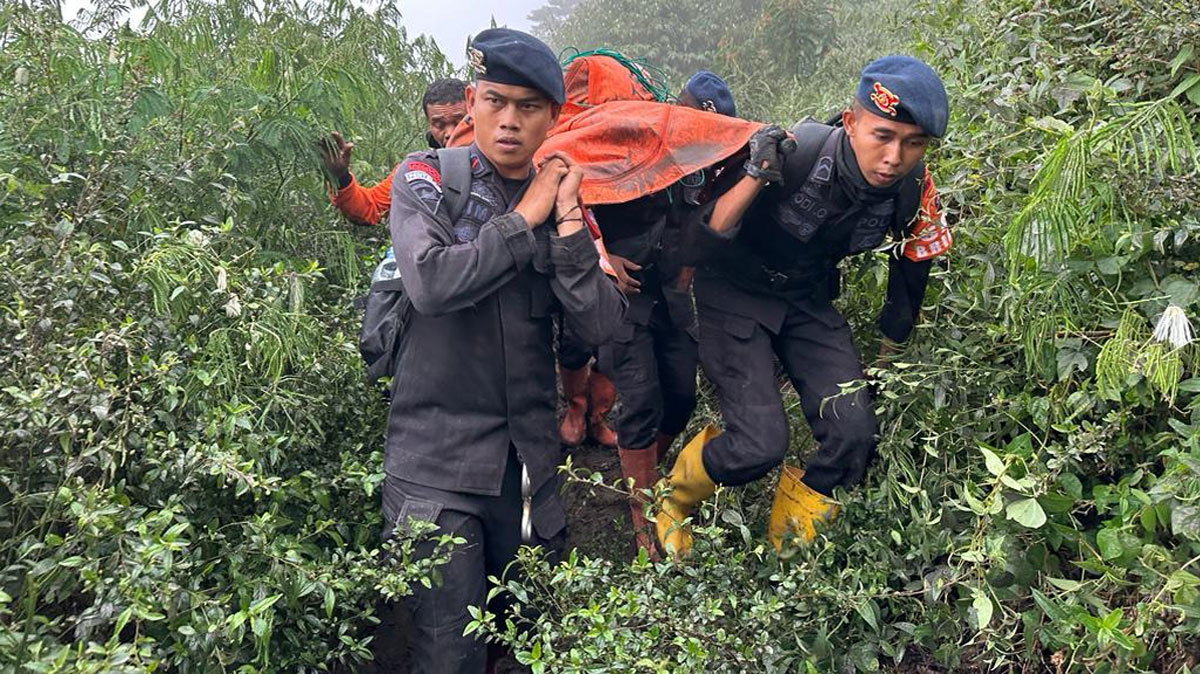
629 149
628 144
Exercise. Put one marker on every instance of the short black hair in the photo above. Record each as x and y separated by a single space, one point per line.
441 92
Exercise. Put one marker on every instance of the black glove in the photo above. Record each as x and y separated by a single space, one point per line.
768 145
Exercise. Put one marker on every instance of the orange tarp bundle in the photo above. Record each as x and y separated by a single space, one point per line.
629 149
628 144
592 80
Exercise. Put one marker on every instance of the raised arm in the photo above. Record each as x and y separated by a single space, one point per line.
591 304
442 274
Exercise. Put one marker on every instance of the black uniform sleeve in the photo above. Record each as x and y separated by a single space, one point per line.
440 274
700 242
906 290
592 307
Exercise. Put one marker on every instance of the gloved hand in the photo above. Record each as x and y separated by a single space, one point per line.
768 146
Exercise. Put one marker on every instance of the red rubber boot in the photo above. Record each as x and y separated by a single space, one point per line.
642 466
575 391
601 394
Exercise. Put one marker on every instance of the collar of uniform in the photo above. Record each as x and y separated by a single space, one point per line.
484 166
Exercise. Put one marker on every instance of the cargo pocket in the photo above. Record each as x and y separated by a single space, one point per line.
400 510
740 327
724 340
550 524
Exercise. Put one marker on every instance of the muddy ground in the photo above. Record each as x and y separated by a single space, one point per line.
597 524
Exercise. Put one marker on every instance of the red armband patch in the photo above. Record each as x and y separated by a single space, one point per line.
589 219
425 182
930 236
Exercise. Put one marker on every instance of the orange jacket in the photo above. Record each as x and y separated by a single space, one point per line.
364 205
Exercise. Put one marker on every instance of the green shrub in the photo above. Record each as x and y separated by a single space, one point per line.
191 457
1033 507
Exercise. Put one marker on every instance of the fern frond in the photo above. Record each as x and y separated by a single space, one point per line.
1065 203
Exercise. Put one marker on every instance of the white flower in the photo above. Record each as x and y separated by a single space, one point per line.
197 238
222 279
22 76
1173 327
233 308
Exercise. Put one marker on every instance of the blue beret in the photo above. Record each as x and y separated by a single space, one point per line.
904 89
507 56
707 87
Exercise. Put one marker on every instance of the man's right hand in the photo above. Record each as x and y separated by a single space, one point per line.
625 283
335 156
542 192
767 147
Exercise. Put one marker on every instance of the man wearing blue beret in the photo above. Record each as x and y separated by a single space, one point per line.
772 243
489 249
706 90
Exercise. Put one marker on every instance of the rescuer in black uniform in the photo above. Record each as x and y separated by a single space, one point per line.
652 357
471 442
772 243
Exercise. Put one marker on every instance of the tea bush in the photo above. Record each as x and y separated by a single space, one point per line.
191 463
191 456
1033 507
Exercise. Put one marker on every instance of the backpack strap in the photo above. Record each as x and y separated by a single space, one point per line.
455 164
810 138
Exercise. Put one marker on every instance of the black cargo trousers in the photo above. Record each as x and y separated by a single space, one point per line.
653 363
814 344
491 527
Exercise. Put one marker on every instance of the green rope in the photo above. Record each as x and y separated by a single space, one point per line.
647 75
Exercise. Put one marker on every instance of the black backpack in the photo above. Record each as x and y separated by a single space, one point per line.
386 307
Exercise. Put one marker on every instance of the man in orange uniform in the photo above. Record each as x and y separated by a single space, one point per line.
444 107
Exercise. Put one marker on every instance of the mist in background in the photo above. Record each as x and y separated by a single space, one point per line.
448 22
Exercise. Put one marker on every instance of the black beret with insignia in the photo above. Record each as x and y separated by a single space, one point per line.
906 90
507 56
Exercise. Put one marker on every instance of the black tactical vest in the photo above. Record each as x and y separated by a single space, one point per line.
812 206
794 235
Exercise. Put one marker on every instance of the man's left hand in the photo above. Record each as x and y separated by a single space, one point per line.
625 283
569 211
335 156
768 145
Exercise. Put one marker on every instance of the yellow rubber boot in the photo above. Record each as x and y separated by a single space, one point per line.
797 508
689 484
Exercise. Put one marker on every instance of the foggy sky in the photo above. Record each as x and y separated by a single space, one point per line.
448 22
